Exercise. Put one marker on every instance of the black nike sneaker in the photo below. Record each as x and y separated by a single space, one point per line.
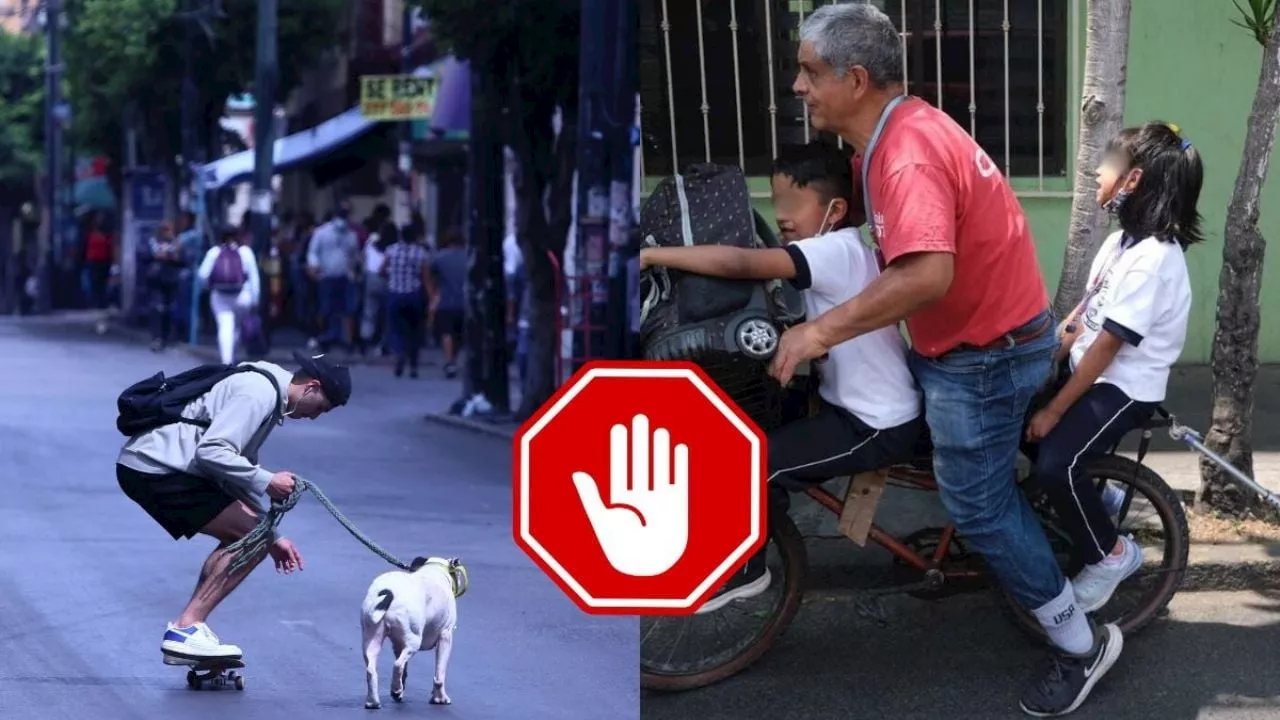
752 580
1069 678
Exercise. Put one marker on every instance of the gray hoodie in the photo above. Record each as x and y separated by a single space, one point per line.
240 411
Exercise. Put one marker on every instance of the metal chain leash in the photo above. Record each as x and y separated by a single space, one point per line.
257 541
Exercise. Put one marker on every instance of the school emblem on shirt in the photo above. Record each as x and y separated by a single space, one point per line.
1098 302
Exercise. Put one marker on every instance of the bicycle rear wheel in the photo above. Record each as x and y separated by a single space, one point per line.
1152 515
688 652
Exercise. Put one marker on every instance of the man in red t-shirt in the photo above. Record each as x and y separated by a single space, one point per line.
960 268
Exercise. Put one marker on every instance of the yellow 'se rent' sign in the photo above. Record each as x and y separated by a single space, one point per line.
397 97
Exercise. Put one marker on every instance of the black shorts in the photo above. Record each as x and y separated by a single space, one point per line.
181 503
448 322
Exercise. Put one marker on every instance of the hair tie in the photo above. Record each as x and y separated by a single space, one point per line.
1186 145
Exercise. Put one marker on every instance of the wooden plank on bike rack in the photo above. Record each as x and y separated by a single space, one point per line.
860 502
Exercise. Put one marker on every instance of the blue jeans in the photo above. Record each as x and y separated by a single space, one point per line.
975 404
334 308
406 315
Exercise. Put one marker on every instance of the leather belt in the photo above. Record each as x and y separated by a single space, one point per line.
1015 337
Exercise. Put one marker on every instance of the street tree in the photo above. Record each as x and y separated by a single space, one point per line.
1101 118
21 115
531 50
1235 341
130 56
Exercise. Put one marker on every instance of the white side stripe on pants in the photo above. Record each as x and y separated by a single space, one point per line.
837 456
1071 480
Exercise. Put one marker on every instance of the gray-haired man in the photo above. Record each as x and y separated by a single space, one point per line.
946 222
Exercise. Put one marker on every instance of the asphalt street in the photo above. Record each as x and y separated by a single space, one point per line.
88 581
1213 657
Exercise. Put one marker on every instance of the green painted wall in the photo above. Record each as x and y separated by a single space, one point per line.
1189 65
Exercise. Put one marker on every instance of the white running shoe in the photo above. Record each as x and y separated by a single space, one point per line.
1095 584
190 645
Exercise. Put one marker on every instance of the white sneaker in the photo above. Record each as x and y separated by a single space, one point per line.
189 645
1095 584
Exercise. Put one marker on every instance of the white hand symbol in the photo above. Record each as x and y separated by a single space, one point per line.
644 528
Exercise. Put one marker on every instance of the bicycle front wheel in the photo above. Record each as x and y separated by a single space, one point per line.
688 652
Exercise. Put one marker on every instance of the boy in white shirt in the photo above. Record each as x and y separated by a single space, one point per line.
870 408
1121 340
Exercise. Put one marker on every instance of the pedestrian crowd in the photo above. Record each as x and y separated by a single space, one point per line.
365 288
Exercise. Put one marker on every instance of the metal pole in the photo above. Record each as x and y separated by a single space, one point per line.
486 367
593 180
622 173
53 167
264 87
406 126
129 234
188 113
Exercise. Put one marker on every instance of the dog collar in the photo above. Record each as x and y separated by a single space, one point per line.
457 574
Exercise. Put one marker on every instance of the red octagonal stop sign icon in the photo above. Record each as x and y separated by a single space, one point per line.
639 488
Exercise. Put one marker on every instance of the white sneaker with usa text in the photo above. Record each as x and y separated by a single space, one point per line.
193 644
1095 584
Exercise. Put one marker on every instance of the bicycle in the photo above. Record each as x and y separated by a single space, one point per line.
937 556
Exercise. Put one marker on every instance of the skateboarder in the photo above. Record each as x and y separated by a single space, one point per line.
192 479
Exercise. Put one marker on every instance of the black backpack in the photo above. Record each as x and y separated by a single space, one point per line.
159 401
686 314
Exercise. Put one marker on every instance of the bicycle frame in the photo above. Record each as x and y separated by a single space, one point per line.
922 480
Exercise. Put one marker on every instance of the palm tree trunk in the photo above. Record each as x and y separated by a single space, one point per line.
1235 342
1101 117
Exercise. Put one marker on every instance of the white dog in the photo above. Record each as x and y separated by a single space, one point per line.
416 610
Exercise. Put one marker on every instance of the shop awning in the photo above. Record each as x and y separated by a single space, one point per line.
292 150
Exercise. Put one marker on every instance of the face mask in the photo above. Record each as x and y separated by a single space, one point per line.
822 228
1117 201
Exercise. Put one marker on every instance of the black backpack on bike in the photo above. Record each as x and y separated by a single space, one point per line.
685 314
159 401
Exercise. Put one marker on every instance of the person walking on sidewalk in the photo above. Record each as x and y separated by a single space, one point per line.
448 279
163 275
230 272
947 222
332 259
373 310
406 270
206 480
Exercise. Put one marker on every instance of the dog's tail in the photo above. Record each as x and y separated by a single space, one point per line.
380 609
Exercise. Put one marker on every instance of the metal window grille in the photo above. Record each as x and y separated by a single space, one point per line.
716 78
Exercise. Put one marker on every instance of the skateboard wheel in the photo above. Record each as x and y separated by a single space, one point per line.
239 680
193 681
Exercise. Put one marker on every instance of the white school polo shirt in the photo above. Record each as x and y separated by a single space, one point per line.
868 375
1141 292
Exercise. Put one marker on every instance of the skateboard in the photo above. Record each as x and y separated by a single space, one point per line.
217 673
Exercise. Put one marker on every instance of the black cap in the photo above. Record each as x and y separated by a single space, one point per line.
335 380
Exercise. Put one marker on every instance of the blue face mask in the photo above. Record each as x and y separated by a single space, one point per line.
1117 201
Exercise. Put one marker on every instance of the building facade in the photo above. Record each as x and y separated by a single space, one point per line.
716 86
